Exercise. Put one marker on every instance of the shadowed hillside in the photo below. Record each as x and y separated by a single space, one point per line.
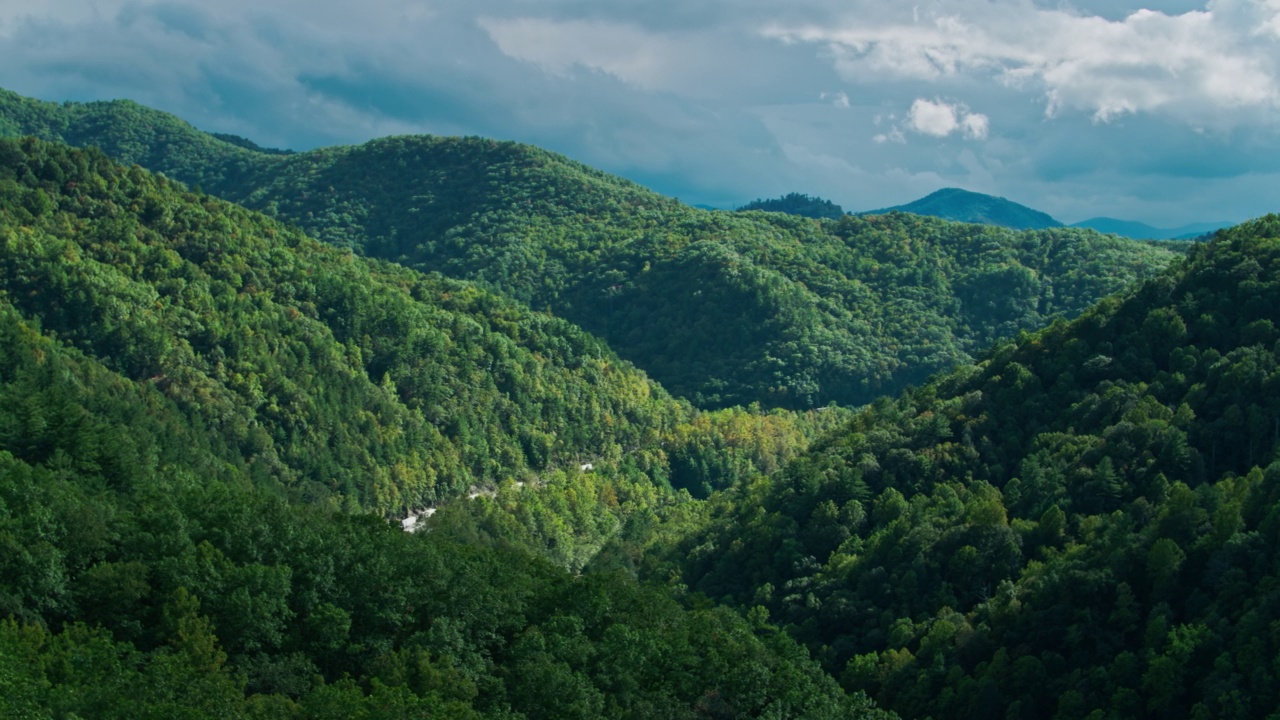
1085 521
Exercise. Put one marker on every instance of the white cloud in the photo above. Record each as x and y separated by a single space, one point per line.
1217 67
932 118
838 99
894 135
975 125
865 102
940 119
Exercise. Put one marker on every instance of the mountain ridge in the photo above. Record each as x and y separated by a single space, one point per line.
160 294
720 308
798 204
1143 231
967 206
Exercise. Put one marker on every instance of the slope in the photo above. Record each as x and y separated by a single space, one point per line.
144 575
721 308
971 207
334 375
1085 522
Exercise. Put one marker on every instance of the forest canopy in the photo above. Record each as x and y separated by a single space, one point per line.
1084 522
720 308
1058 501
197 403
798 204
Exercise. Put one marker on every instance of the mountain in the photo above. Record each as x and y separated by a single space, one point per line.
720 308
190 391
798 204
350 382
1137 230
971 207
1082 524
338 376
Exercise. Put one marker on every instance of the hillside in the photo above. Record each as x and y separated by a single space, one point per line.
353 383
721 308
372 387
971 207
1084 522
336 376
189 392
145 574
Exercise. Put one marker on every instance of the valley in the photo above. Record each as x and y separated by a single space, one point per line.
682 463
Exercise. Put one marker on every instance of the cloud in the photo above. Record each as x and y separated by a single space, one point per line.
974 125
935 118
625 51
1213 67
837 99
932 118
940 119
706 64
1060 103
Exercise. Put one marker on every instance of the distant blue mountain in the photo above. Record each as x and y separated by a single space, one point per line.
1143 231
965 206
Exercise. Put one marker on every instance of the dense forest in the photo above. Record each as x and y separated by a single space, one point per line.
721 308
333 374
145 575
1083 524
192 394
213 418
340 379
798 204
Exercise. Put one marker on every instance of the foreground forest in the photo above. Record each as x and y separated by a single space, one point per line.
721 308
190 397
1083 524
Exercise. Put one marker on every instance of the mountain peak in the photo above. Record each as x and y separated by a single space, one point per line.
973 207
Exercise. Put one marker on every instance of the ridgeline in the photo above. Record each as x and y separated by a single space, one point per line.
720 308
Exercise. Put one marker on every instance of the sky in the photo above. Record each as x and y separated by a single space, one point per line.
1162 112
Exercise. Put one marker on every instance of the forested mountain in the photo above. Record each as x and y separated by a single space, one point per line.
333 374
971 207
143 575
1084 524
175 370
1131 229
798 204
722 308
352 382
